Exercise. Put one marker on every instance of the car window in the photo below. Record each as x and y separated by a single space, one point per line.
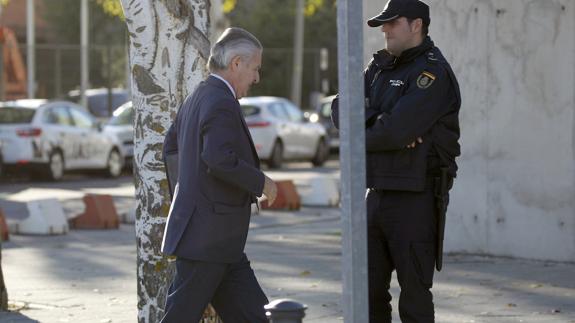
98 104
294 112
278 111
81 119
126 117
326 110
16 115
250 110
58 115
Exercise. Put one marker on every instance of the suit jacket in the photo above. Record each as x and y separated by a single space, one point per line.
218 177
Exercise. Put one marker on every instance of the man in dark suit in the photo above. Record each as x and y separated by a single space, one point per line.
218 179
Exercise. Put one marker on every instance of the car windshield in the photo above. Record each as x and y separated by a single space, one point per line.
99 103
250 110
10 115
126 117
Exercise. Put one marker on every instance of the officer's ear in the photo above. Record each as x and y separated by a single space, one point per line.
416 25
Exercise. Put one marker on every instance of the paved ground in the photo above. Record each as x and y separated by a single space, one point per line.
89 276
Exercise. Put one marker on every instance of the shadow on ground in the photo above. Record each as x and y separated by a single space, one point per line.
15 317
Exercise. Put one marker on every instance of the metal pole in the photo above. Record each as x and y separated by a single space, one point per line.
30 51
2 89
128 74
352 156
84 52
297 55
109 72
58 71
324 64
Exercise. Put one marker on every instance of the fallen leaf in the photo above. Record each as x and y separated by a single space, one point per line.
535 285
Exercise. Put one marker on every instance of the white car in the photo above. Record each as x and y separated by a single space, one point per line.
281 132
121 126
54 137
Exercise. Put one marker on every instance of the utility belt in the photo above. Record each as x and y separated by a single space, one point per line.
432 181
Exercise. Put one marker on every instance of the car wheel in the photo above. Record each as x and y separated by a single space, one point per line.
55 167
114 165
276 157
321 153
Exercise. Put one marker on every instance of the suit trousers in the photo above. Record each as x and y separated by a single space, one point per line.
232 289
401 237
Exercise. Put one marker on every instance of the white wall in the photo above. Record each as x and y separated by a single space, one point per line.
515 61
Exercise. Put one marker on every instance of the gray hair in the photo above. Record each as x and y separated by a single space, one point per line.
233 42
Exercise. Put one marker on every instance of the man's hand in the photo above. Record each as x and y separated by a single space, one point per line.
415 142
270 190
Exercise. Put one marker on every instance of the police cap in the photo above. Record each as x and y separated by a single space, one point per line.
394 9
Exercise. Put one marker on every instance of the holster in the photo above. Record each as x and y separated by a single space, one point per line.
443 184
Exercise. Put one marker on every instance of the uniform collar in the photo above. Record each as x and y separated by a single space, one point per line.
385 59
412 53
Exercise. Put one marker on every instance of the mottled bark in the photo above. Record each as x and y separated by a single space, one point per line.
169 48
3 292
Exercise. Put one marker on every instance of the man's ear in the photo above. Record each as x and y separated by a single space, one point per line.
235 62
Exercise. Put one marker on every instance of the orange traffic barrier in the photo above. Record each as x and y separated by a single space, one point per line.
100 213
287 197
3 227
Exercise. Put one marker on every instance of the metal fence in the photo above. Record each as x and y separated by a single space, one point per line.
58 68
57 71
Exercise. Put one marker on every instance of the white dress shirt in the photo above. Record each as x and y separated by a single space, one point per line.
227 83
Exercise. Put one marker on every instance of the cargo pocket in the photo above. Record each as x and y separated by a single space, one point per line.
423 261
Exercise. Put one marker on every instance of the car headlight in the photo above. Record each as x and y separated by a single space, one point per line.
313 118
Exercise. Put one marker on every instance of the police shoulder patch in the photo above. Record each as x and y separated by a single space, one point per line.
424 80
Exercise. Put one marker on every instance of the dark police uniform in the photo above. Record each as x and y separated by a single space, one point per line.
410 96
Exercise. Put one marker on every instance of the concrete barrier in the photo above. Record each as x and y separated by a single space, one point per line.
45 217
100 213
4 236
319 191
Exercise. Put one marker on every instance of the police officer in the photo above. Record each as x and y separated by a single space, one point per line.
412 130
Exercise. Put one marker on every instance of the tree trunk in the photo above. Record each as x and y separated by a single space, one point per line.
169 48
3 293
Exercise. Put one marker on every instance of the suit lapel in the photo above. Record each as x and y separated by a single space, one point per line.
247 131
219 83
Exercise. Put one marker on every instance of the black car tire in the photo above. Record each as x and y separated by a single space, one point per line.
55 168
321 153
276 157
